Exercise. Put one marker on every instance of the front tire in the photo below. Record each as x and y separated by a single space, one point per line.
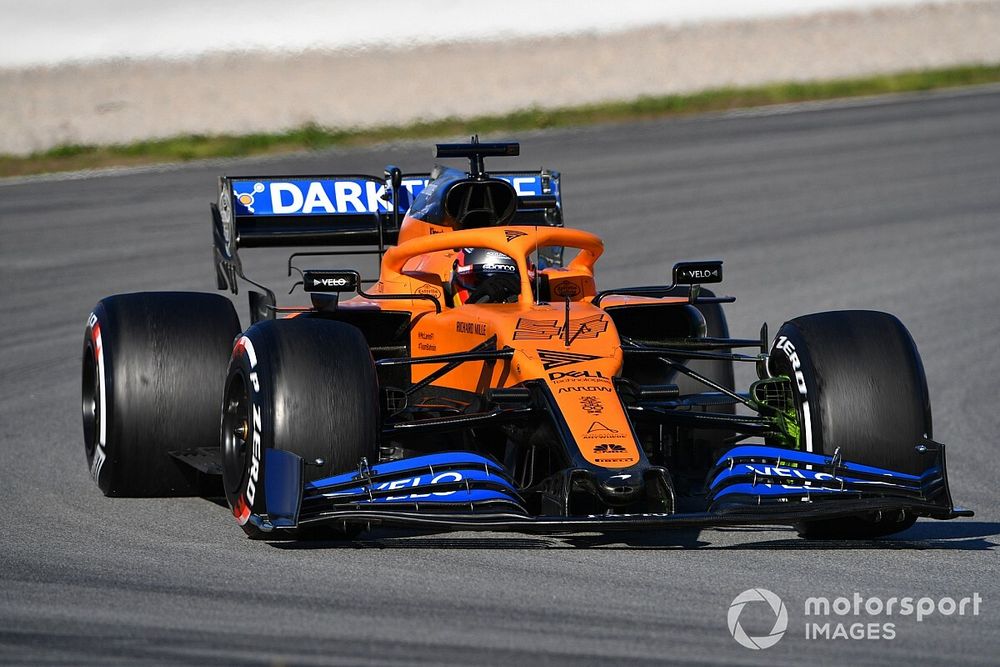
303 385
859 387
154 364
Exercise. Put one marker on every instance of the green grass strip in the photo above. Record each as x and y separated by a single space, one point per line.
312 137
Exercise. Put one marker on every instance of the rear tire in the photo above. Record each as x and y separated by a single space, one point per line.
860 388
303 385
154 364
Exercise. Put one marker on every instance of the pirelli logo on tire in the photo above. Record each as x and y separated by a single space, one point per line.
787 348
244 505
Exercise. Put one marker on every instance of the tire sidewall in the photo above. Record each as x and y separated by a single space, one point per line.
789 356
294 373
99 355
246 496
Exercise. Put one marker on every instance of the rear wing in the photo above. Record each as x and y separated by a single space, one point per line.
351 210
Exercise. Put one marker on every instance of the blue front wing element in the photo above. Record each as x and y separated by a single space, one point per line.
757 475
452 479
750 485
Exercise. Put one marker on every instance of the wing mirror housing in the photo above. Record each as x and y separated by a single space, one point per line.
330 281
393 177
698 273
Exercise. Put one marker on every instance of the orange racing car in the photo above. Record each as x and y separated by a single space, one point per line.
482 382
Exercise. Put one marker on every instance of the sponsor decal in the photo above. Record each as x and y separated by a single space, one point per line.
587 388
330 282
224 210
322 196
226 216
608 448
525 186
789 473
429 290
566 288
575 375
246 199
485 253
688 273
788 349
343 195
592 405
598 426
591 326
510 268
410 482
423 335
512 234
241 510
475 328
557 359
599 431
701 273
427 347
786 346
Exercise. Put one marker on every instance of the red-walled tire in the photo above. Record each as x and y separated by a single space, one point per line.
303 385
154 364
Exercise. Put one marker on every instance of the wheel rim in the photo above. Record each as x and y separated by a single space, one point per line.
236 428
90 402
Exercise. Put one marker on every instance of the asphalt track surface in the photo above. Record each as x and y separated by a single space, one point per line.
889 204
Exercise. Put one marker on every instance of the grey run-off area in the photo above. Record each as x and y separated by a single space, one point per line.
886 204
122 101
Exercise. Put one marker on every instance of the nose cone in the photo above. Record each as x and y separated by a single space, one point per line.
619 488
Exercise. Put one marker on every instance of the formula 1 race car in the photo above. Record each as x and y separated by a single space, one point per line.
482 382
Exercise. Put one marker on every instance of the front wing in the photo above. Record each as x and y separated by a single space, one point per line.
750 485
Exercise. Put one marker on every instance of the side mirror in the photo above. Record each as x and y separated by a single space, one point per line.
393 177
698 273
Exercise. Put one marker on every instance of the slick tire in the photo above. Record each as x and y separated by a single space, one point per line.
302 385
154 364
859 386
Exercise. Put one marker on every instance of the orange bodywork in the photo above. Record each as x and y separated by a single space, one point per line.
578 369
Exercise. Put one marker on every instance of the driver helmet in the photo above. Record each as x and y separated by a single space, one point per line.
482 275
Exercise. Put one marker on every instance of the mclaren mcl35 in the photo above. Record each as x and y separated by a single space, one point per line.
479 381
